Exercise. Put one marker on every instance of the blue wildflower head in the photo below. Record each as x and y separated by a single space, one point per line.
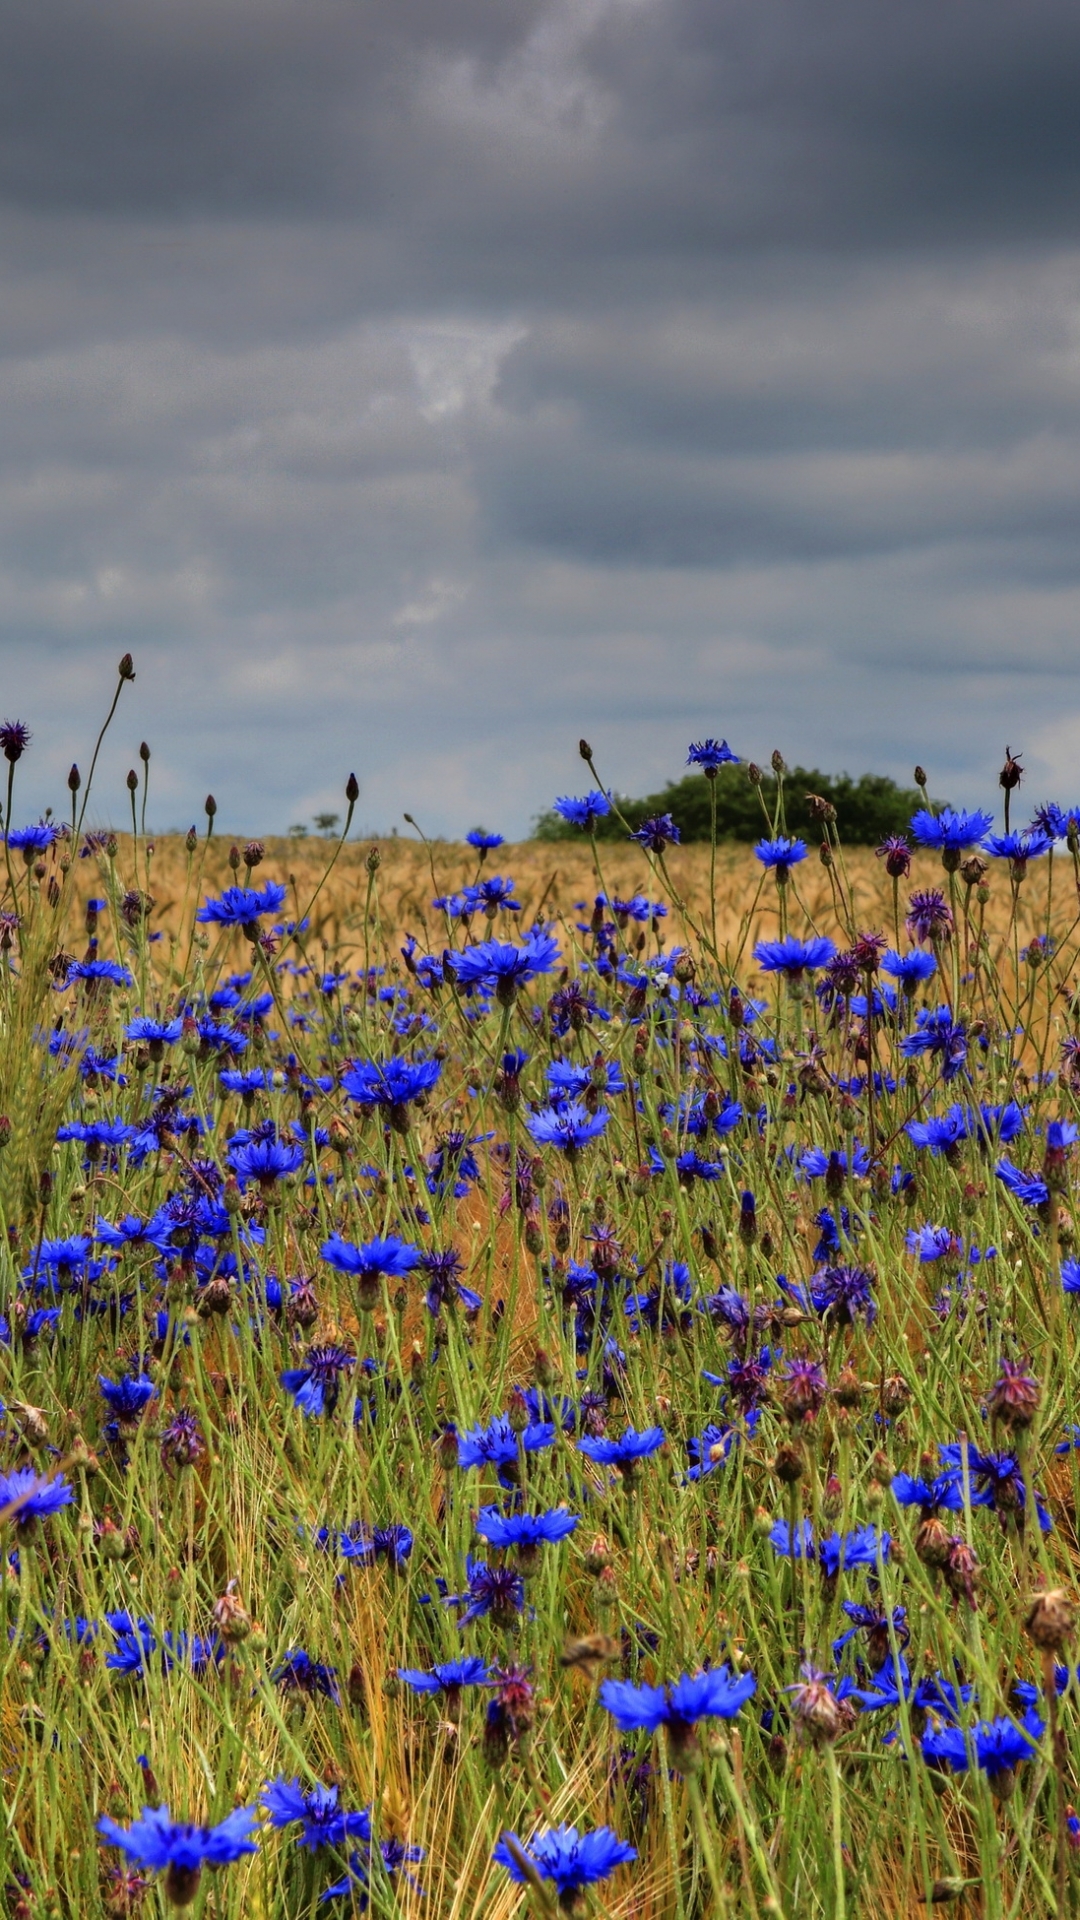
26 1496
243 907
181 1850
568 1127
656 833
710 755
793 957
316 1384
583 813
717 1693
570 1860
780 855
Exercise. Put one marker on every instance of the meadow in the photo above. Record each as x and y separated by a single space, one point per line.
539 1377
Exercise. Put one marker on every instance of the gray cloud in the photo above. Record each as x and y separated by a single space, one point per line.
414 387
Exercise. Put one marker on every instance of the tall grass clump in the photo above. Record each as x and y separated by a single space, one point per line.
551 1392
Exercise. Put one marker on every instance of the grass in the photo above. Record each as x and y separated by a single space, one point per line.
822 1803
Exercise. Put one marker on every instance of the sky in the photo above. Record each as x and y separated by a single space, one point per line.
414 386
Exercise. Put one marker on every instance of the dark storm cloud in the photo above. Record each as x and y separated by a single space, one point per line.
413 386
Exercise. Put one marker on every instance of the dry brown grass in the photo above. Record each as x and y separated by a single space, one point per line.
553 878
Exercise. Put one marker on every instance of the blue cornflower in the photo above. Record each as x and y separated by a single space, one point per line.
180 1849
498 1445
586 812
710 755
793 957
526 1533
493 894
324 1822
243 906
709 1450
127 1397
444 1285
874 1624
1060 1136
449 1678
316 1384
25 1496
817 1161
569 1082
247 1083
952 831
1070 1276
571 1861
391 1256
859 1548
995 1480
932 1243
657 832
97 1135
944 1490
395 1856
942 1132
96 971
909 970
568 1127
498 965
484 842
33 840
842 1294
938 1033
299 1673
999 1746
264 1161
781 855
156 1034
1018 848
1031 1188
497 1591
715 1694
390 1083
625 1453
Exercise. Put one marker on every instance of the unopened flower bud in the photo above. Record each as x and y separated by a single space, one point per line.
1050 1619
126 669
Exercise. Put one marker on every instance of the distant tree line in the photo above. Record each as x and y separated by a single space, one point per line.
867 809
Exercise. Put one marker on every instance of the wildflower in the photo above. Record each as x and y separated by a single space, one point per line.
708 1450
951 831
793 957
502 967
391 1084
656 833
571 1861
781 855
182 1443
896 853
874 1625
448 1680
394 1855
938 1033
1030 1188
484 842
31 841
25 1496
499 1446
626 1453
999 1746
494 894
497 1591
316 1384
298 1673
264 1161
390 1256
243 907
819 1714
1050 1619
909 970
15 737
569 1127
714 1694
932 1243
180 1849
586 812
929 918
128 1397
1014 1397
524 1533
804 1391
154 1034
444 1285
323 1822
1018 848
710 755
98 972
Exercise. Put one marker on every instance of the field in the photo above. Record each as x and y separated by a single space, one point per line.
469 1373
